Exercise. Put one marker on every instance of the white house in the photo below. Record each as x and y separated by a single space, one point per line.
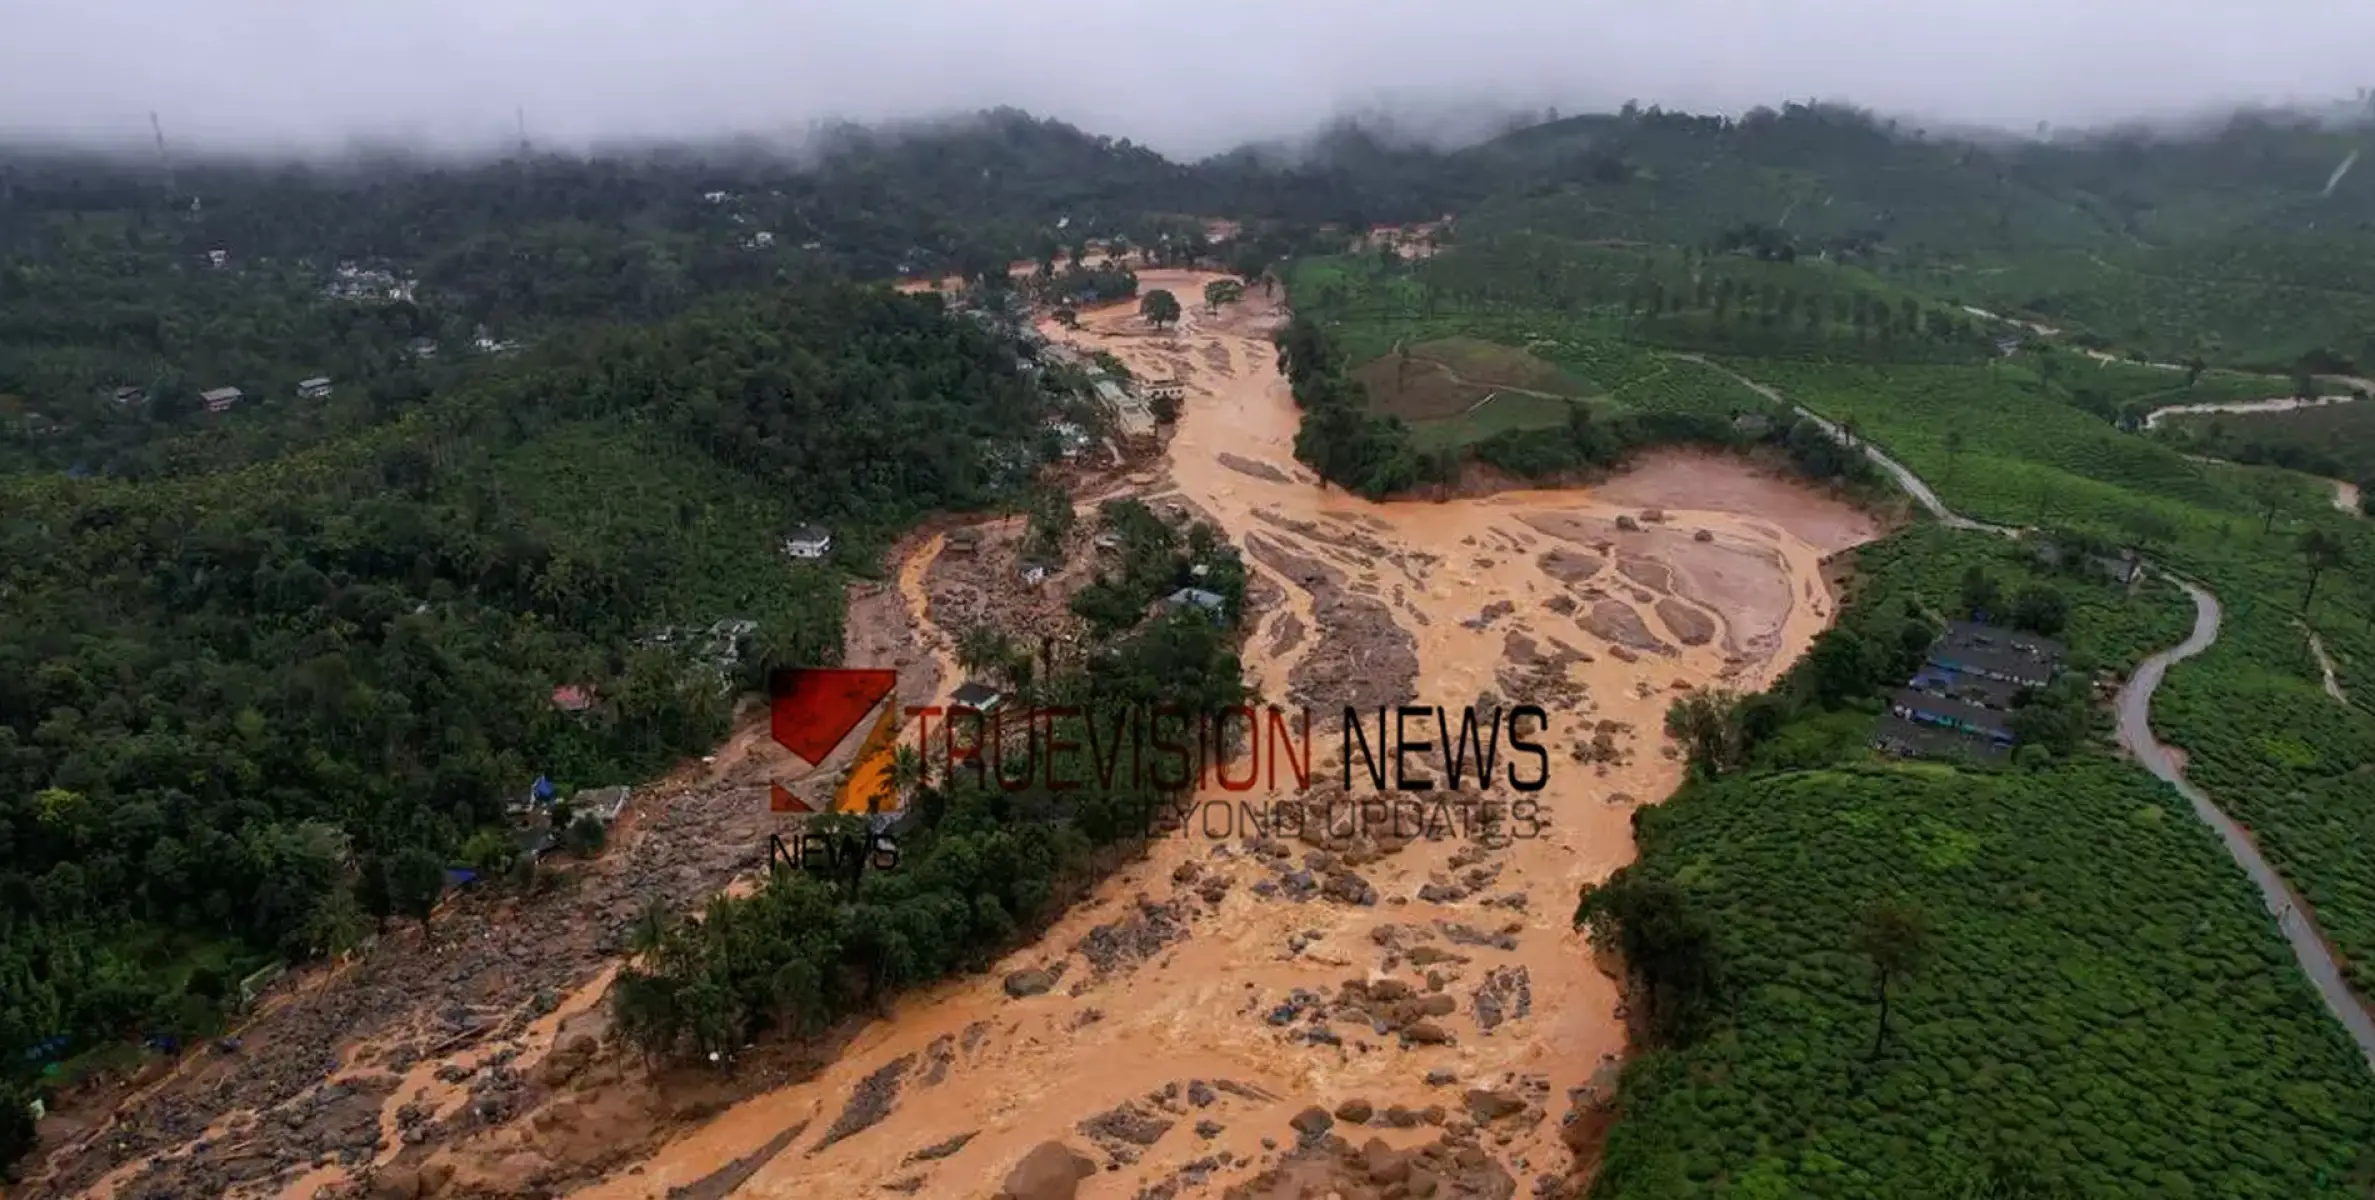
222 399
315 388
808 541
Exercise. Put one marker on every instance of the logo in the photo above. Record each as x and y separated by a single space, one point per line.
813 710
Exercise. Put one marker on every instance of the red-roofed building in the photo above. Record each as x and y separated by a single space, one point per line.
573 697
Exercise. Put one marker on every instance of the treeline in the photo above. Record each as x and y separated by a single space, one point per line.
983 864
261 708
1350 446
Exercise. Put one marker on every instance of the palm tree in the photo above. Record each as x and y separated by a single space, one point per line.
908 773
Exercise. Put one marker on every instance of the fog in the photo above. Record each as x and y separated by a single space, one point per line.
1187 78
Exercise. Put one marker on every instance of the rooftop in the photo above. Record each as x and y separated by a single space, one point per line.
1985 719
976 695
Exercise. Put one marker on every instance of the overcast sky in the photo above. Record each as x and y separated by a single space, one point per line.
1183 76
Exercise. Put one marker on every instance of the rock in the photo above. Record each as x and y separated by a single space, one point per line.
1425 1033
1703 535
1051 1171
1312 1123
1628 524
1032 982
1200 1093
1208 1129
396 1183
1442 1078
1354 1112
1383 1164
940 1149
1487 1106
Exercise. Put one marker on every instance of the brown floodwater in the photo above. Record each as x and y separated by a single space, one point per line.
1496 595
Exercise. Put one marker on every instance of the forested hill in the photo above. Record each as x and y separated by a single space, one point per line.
243 713
397 277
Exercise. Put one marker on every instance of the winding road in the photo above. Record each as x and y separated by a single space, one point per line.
2300 929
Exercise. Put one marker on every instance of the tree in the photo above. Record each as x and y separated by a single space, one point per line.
2270 491
1159 307
585 836
1892 937
1164 408
1707 725
1981 595
415 881
2321 551
1067 316
1669 951
2149 527
1051 522
2040 609
1954 450
1222 291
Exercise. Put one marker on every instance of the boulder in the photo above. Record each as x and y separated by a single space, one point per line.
1051 1171
1033 982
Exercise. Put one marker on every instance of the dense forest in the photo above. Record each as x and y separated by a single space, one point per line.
261 708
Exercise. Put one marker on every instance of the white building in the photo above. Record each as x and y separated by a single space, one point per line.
222 399
808 541
316 388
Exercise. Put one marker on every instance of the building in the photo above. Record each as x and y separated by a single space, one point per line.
1211 604
1034 575
1969 648
218 259
962 541
573 697
422 347
222 399
533 842
979 697
129 396
603 804
1947 713
1167 389
1132 420
808 541
316 388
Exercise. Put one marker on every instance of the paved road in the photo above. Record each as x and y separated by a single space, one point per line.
2135 732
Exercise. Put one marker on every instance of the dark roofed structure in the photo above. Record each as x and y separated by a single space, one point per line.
1951 714
979 696
1970 648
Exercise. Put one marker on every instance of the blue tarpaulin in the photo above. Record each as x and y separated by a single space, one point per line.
543 789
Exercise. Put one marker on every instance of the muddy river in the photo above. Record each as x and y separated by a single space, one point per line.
1176 1038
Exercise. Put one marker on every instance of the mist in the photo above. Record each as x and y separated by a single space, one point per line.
287 76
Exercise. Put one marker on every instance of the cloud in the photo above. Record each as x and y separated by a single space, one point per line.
1184 76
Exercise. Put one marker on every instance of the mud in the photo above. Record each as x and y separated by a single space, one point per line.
1251 1008
1231 994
